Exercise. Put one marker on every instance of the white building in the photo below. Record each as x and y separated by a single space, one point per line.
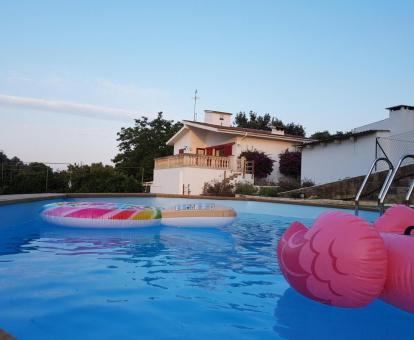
210 150
351 155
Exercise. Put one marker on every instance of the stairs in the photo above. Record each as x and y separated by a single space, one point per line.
391 182
232 177
346 189
396 193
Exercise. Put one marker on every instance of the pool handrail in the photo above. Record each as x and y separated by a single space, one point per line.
383 193
365 181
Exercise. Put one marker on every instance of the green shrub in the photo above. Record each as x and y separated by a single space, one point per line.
218 188
290 163
307 183
265 182
269 191
287 184
245 189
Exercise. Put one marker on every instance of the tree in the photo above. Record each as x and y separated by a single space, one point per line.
266 122
254 121
100 178
290 163
20 178
278 124
295 129
321 135
141 144
263 164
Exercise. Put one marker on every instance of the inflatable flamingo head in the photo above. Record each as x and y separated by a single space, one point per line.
341 260
395 219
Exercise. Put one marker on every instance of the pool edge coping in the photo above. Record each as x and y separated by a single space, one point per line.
307 202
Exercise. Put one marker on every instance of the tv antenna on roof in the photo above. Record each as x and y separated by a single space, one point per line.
195 104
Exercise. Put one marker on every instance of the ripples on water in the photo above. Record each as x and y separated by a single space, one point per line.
62 283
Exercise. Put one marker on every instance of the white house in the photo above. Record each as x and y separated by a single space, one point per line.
351 155
210 150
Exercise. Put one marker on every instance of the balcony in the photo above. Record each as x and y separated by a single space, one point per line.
197 161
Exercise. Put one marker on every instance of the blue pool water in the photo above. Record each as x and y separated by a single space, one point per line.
168 283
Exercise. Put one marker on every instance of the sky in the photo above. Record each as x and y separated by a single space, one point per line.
72 73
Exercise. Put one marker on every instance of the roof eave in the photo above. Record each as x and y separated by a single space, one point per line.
223 129
173 139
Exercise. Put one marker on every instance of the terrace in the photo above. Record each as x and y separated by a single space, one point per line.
204 161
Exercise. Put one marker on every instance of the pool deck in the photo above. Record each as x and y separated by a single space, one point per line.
10 199
17 198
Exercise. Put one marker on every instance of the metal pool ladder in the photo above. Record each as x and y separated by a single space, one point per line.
365 181
384 192
387 183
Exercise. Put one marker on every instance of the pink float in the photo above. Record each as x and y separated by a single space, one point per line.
343 260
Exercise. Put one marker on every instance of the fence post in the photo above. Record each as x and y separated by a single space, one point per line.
47 175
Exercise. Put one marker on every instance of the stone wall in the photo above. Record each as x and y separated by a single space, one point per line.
348 188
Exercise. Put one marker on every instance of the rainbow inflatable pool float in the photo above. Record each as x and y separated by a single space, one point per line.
124 215
343 260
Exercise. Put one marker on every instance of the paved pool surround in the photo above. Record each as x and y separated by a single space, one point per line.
329 203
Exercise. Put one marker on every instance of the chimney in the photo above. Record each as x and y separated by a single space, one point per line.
217 117
276 131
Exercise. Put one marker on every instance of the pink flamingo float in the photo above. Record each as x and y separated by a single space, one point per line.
345 261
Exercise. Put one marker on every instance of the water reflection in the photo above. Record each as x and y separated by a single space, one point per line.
213 283
300 318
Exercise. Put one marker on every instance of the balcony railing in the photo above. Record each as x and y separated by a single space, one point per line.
194 161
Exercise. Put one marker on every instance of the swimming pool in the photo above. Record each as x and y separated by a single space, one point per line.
160 282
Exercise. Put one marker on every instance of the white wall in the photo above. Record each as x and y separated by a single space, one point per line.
330 162
170 181
271 147
167 181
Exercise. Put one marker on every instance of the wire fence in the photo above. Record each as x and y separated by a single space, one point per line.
24 177
395 147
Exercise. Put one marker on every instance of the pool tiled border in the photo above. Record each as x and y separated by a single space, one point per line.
11 199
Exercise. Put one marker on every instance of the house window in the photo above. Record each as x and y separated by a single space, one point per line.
201 151
181 151
219 152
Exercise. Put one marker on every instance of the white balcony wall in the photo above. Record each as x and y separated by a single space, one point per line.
171 181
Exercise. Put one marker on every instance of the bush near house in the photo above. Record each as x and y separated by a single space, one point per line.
307 183
288 183
284 184
269 191
290 163
263 164
245 189
218 188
